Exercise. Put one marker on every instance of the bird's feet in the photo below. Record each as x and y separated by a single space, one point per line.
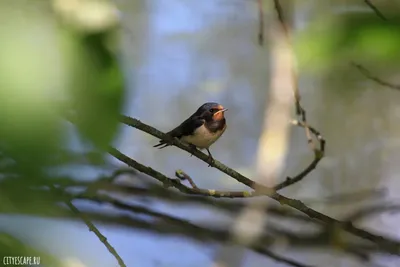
210 161
210 158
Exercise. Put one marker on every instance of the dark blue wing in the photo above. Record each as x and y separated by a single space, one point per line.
185 128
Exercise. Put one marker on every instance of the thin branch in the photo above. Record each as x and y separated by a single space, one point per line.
193 196
260 23
167 181
385 242
317 158
92 228
369 75
300 111
375 9
221 234
175 225
281 18
184 176
168 195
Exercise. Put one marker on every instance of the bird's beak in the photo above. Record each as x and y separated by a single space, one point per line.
220 111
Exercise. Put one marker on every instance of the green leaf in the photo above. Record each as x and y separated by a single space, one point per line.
96 88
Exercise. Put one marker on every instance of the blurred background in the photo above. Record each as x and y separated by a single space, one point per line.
158 61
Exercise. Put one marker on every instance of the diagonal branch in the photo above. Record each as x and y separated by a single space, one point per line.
370 76
391 245
300 111
260 23
317 158
92 228
375 9
170 182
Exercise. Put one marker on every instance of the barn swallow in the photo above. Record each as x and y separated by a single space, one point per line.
201 129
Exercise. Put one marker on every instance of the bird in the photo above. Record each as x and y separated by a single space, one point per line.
202 129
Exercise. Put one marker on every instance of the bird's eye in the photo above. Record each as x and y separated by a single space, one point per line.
212 110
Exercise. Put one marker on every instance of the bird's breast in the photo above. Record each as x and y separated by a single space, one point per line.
203 137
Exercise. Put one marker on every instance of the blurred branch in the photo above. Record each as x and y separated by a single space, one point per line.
183 198
260 23
375 9
387 243
281 18
281 259
372 210
163 223
167 182
166 224
300 111
370 76
92 228
349 197
272 144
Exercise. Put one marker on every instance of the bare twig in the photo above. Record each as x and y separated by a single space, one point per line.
375 9
369 75
183 176
174 225
300 111
317 158
92 228
281 18
166 181
385 242
261 23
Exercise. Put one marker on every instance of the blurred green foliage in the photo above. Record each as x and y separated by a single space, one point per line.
97 86
12 247
352 36
52 59
330 43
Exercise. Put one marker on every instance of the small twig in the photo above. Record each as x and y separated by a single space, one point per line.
368 74
375 9
317 158
167 181
92 228
281 18
183 176
261 23
300 111
385 242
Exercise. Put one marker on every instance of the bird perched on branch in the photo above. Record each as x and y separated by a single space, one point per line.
201 129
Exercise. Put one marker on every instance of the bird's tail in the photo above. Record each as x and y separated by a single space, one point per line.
162 144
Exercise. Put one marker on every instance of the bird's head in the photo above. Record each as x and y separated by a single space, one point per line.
211 111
